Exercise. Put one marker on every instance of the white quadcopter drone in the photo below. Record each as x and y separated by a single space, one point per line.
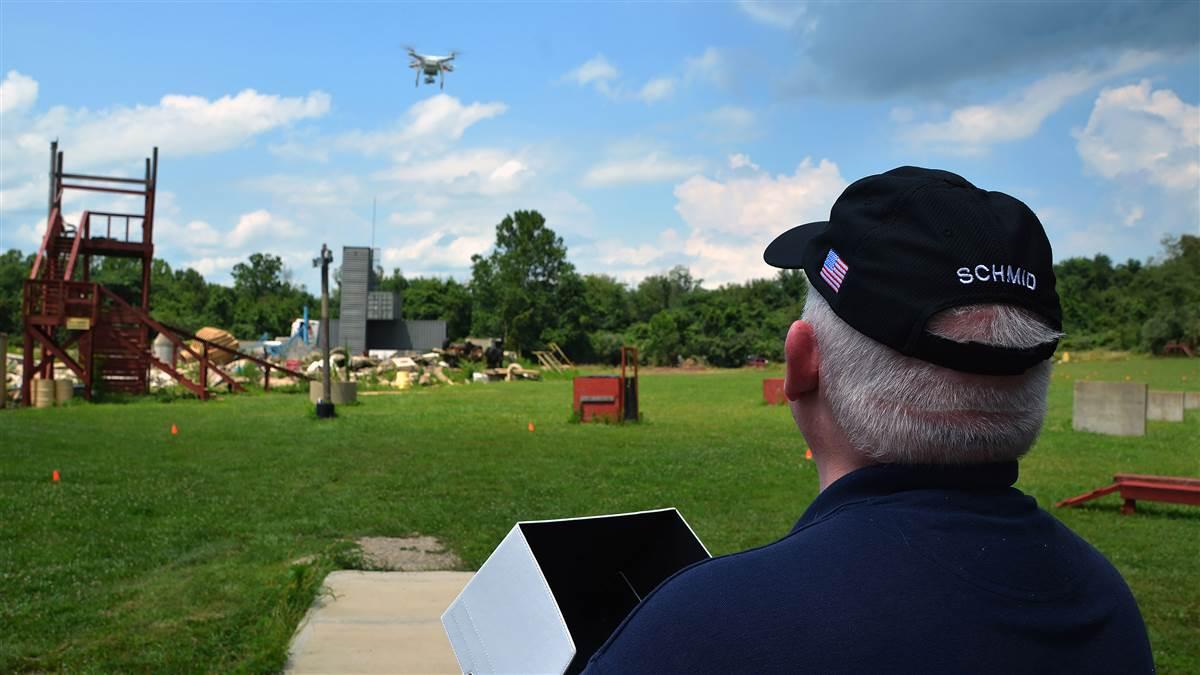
431 66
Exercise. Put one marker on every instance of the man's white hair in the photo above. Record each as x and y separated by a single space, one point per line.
899 409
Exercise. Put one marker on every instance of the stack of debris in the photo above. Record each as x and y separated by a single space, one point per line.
512 372
12 381
217 336
16 368
400 371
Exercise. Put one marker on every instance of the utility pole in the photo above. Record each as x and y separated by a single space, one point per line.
325 405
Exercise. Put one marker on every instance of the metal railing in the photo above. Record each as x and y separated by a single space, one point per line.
52 300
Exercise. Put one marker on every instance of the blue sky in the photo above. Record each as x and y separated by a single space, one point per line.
649 134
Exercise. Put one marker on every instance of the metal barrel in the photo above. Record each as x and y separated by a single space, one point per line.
43 393
64 390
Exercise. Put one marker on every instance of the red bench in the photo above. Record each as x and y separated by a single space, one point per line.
1171 489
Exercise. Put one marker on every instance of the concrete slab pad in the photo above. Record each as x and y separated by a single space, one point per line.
378 622
1191 400
1165 406
1116 408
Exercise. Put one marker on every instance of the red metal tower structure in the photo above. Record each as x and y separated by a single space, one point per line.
64 310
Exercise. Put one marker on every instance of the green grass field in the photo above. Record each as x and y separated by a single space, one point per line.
161 553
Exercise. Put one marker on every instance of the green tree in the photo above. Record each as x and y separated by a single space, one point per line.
525 290
432 298
660 292
663 338
266 299
396 283
14 270
263 275
607 305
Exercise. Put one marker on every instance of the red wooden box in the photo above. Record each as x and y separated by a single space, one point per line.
773 391
598 396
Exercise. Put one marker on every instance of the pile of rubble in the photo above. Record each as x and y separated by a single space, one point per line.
450 367
12 379
403 372
242 371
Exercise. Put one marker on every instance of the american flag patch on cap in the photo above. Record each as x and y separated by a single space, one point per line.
834 270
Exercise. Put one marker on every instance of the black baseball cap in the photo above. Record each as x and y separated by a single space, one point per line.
901 246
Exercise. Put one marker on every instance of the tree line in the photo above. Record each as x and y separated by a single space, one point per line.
526 291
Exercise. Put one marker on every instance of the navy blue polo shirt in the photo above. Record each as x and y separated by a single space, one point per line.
930 569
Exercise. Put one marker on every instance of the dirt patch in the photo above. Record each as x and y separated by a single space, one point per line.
407 554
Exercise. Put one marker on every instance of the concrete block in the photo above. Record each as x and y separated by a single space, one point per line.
341 392
1115 408
1165 406
1191 400
378 622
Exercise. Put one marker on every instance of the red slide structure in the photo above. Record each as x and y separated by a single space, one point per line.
1132 486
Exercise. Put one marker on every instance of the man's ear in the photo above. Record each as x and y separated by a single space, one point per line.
803 361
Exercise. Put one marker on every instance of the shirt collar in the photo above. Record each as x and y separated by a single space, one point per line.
879 480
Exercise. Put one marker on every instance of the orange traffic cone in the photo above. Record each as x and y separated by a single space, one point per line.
531 426
54 476
174 430
808 454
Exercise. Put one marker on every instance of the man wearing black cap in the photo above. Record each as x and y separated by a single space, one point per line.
918 376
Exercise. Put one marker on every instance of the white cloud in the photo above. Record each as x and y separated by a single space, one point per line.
651 168
760 204
309 191
117 136
731 222
902 114
435 121
602 76
1131 214
198 239
657 89
483 171
31 235
595 70
710 65
409 218
198 234
731 123
294 150
259 226
777 14
23 196
1138 132
972 129
17 92
195 238
439 236
739 161
211 266
612 253
181 125
439 249
629 261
